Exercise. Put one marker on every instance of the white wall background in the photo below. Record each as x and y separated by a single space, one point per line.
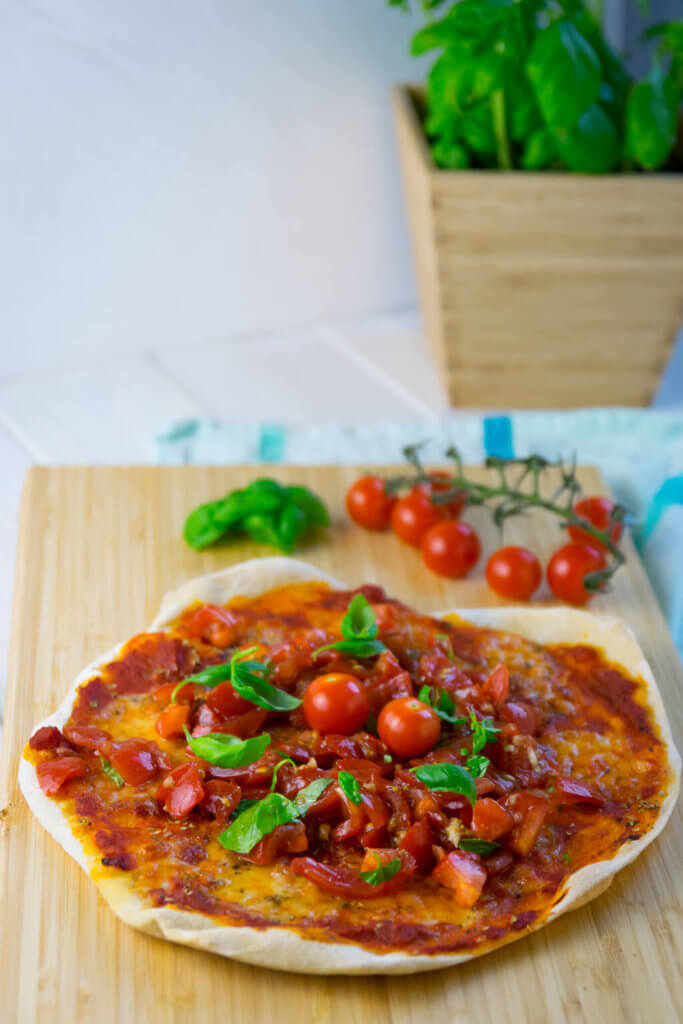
181 170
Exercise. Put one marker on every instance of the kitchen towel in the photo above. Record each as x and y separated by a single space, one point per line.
639 451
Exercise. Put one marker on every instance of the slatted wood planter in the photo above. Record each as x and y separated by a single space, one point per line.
544 289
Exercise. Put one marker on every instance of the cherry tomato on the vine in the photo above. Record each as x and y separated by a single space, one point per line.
451 548
414 515
438 483
597 511
368 503
568 567
409 727
336 702
514 572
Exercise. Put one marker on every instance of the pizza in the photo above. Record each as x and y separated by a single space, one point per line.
311 778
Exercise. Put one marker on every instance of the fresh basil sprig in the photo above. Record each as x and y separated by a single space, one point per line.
262 817
226 751
477 764
444 706
108 769
444 777
483 732
268 512
481 846
350 787
249 678
359 629
383 872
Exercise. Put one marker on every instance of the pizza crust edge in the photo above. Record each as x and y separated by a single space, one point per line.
286 949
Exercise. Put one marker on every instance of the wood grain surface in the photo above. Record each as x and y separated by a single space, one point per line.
98 547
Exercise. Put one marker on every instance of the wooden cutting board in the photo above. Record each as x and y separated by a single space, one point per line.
97 549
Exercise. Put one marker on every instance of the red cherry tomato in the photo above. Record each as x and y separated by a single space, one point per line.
451 548
413 516
336 703
408 727
568 567
514 573
368 503
597 512
440 482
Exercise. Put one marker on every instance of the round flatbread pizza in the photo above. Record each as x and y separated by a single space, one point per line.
317 779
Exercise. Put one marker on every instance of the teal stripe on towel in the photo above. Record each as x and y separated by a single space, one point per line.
271 447
498 437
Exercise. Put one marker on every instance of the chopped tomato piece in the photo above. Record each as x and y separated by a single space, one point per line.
360 768
384 690
226 701
53 774
529 812
341 882
289 838
497 686
376 857
181 790
221 798
354 822
400 809
571 792
170 722
163 694
490 820
526 718
376 837
418 841
377 811
332 746
463 873
136 761
48 737
244 726
87 736
499 863
214 625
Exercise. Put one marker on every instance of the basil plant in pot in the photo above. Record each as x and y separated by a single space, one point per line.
560 281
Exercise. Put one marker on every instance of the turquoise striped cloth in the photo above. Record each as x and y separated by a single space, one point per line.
640 453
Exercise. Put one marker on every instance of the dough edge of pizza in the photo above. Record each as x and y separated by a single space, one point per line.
287 949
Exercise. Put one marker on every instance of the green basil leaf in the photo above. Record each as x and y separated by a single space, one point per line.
483 732
226 751
651 120
540 150
291 525
355 648
243 805
285 760
108 769
210 676
359 623
257 821
202 527
444 777
383 872
565 72
350 787
481 846
477 764
305 798
450 155
444 706
591 146
261 527
248 680
425 695
314 509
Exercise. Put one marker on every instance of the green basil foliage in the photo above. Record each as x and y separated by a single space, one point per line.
477 764
444 777
350 787
359 629
444 705
266 511
226 751
383 872
534 85
483 732
261 817
481 846
248 678
108 769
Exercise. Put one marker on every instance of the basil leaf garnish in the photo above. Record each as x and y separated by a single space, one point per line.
481 846
350 787
210 676
108 769
444 777
483 732
226 751
383 872
249 680
359 629
256 822
444 706
305 799
477 764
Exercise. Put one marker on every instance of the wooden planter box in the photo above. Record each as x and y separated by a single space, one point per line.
543 290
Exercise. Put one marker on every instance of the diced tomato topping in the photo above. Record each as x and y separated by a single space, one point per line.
225 701
170 722
136 761
400 809
355 820
463 873
381 692
181 790
163 694
499 863
87 736
48 737
571 792
53 774
529 812
490 820
214 625
418 842
526 718
360 768
289 838
342 882
244 726
497 686
328 748
376 837
220 798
